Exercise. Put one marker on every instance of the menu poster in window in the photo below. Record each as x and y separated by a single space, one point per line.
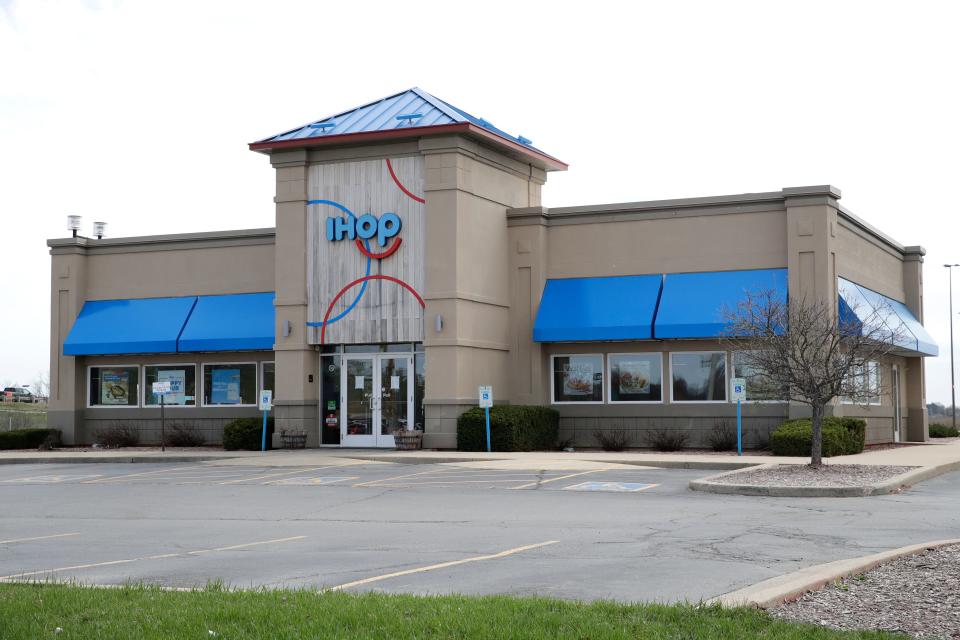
178 380
226 386
114 386
578 379
634 377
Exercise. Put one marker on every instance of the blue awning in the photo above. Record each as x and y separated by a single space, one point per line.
860 305
692 304
108 327
238 322
610 308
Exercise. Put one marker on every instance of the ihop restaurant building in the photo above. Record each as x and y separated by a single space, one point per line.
412 261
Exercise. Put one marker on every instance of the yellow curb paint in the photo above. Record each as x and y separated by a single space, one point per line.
161 556
442 565
571 475
56 535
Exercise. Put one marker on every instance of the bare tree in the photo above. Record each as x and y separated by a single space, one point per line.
809 352
41 385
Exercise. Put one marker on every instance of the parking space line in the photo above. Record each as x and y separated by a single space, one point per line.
409 475
275 475
442 565
431 482
24 574
56 535
571 475
142 473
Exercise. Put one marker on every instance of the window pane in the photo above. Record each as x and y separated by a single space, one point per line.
419 388
330 399
578 378
230 384
114 386
699 377
182 379
267 381
759 387
635 377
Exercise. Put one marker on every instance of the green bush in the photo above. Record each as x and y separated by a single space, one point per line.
841 436
512 428
29 438
246 434
943 431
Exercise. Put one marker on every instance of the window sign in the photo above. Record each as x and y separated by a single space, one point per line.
115 386
226 386
177 380
182 380
578 378
635 377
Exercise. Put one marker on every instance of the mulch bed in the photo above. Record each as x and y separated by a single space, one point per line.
802 475
918 595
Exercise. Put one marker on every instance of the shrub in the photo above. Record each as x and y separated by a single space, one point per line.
666 439
612 440
512 428
722 437
117 435
841 436
183 435
246 434
943 431
29 438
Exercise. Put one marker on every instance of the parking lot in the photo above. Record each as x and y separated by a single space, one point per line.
623 533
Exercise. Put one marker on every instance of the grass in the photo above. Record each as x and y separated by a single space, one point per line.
147 613
22 415
34 407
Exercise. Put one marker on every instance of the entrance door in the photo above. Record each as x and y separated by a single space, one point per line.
376 399
895 393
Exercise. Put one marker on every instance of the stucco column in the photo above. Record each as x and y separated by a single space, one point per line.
295 405
68 293
915 377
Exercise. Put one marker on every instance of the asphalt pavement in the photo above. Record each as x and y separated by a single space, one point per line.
630 534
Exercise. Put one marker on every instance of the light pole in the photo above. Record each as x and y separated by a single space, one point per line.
953 389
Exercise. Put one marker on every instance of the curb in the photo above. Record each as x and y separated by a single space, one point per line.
786 588
117 459
895 484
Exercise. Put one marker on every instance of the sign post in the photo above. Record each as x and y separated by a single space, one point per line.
486 401
738 388
162 388
265 404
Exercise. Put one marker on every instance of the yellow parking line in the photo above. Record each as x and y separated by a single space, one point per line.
442 565
409 475
572 475
142 473
275 475
56 535
444 482
161 556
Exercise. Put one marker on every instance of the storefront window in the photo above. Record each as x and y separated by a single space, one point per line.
230 384
330 399
266 378
866 379
182 379
635 377
578 378
759 387
114 386
699 377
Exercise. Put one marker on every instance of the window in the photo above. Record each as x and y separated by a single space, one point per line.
114 386
759 387
578 378
267 377
635 377
866 380
230 384
183 384
699 377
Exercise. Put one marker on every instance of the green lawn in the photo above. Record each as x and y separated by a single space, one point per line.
144 613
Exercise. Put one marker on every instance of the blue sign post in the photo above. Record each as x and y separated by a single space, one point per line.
266 403
486 401
739 389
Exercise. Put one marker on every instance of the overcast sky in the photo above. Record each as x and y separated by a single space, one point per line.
138 113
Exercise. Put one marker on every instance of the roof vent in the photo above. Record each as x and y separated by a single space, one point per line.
323 126
409 118
526 141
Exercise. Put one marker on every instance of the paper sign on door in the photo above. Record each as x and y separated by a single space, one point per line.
394 382
358 382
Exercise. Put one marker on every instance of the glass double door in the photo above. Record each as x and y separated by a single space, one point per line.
376 399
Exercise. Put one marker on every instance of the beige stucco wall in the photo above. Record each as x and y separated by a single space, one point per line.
869 262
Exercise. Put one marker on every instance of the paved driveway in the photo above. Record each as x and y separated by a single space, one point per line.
628 534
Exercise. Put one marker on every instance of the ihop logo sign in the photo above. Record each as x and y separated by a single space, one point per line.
366 227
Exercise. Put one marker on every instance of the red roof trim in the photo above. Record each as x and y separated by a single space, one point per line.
406 132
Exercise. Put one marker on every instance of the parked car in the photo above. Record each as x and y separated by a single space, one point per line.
17 394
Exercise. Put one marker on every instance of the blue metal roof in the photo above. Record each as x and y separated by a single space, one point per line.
238 322
860 305
411 108
111 327
692 304
611 308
